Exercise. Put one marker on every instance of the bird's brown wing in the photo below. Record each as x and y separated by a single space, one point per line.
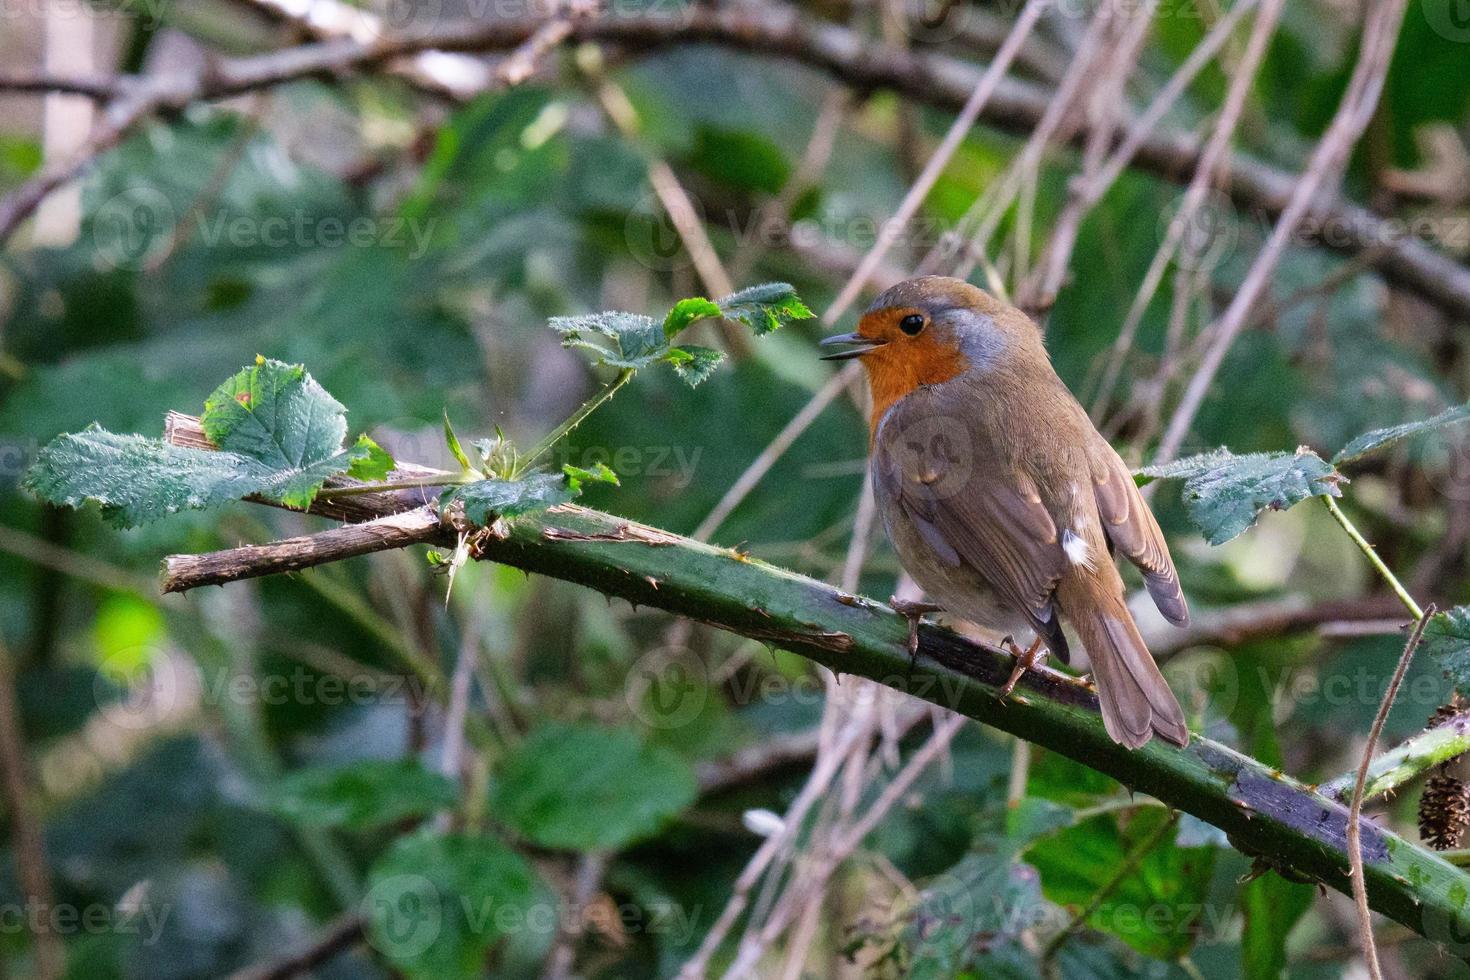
1131 527
971 512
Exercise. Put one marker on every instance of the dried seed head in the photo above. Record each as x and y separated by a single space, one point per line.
1444 812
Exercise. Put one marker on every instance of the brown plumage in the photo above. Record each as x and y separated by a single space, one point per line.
1001 498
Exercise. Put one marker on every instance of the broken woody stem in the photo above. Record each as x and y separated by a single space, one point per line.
1265 813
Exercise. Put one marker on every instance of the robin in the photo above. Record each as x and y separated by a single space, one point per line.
1002 500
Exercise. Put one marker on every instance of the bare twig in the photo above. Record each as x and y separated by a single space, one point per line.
338 937
969 113
25 831
1353 114
1355 807
185 572
1205 176
1015 106
586 881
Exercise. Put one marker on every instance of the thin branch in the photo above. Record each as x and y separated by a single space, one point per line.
101 88
969 114
1263 810
772 454
25 831
1368 550
185 572
338 937
1015 106
1206 175
1355 808
1416 756
1353 114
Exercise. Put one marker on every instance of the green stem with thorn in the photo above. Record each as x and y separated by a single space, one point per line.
588 407
1373 559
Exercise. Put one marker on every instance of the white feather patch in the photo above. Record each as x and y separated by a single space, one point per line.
1076 548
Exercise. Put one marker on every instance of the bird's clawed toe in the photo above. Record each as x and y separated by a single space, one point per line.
1032 656
913 612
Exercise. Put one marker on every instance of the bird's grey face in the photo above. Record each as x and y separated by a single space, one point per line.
973 333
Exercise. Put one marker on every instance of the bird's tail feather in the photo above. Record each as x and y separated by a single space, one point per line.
1135 698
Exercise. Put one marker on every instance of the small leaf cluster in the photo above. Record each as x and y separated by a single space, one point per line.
631 341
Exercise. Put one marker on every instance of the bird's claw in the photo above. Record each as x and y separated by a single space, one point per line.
913 612
1025 660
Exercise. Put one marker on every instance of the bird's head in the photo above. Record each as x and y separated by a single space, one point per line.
927 331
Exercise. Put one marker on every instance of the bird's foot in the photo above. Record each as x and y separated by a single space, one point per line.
1025 660
913 612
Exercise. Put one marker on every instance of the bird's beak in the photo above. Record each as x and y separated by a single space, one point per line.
859 345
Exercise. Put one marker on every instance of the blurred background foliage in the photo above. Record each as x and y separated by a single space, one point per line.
214 826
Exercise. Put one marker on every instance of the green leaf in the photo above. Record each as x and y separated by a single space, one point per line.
1377 439
485 500
361 795
687 311
599 473
1224 494
279 435
278 415
452 441
1272 907
638 340
694 364
1172 882
137 479
582 787
1447 640
979 896
371 463
766 307
436 904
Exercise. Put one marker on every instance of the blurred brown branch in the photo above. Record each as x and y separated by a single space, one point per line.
1014 106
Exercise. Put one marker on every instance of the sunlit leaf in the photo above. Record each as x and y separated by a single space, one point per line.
637 340
279 434
687 311
694 364
371 463
137 479
766 307
277 415
598 473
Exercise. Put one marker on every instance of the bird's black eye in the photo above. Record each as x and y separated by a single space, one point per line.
912 324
